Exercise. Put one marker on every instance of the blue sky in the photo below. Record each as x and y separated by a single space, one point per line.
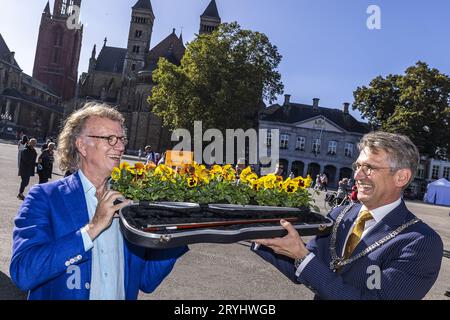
327 49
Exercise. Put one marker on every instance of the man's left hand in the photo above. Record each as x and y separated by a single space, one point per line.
290 245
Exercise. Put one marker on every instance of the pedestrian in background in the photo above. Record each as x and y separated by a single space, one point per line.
21 146
26 166
45 163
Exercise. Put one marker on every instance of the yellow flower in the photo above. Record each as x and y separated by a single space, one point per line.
185 169
150 166
255 184
229 176
303 182
245 174
216 169
115 175
124 165
290 186
308 181
163 170
204 175
269 181
251 177
192 182
139 165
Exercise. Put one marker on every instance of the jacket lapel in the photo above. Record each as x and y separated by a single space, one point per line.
389 223
76 202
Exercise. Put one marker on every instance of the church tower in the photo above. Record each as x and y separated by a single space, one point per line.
210 19
58 48
141 27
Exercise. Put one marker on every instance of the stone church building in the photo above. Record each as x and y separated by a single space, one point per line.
123 76
34 105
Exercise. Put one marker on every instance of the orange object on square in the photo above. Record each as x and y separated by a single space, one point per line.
176 158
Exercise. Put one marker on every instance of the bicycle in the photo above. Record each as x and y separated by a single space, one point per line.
332 201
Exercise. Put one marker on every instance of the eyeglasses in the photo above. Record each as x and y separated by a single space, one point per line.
112 140
367 169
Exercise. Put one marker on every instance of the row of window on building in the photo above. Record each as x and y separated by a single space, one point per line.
140 20
435 172
301 145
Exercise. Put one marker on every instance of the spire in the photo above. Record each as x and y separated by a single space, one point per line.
94 52
211 11
181 35
105 41
143 4
47 8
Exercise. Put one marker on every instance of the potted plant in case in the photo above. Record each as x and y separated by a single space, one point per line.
196 204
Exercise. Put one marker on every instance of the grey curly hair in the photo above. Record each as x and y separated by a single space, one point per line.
69 158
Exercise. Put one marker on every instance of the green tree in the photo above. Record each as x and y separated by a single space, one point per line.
415 104
223 79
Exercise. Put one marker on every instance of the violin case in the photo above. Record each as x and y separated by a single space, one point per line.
201 222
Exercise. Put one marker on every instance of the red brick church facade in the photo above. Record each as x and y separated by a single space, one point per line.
58 49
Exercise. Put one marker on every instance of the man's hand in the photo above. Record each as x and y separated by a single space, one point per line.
105 212
290 245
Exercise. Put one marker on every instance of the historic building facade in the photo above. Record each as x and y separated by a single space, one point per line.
314 139
58 49
123 76
27 106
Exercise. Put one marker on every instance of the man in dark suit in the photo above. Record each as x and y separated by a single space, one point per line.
67 244
378 249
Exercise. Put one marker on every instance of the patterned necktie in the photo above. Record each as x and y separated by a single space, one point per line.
357 232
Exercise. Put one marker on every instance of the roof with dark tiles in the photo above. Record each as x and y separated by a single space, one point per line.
111 59
301 112
5 53
170 48
143 4
211 10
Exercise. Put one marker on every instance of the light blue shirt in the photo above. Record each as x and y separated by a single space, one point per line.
107 278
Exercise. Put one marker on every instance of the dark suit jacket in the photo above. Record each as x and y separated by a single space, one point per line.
27 162
409 263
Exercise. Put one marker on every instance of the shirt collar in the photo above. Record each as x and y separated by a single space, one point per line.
379 213
88 187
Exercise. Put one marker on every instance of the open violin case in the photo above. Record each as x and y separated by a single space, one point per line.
160 225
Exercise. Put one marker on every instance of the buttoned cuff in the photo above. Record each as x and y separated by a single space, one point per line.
87 241
304 264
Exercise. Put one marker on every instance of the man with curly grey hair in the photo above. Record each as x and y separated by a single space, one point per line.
67 244
377 249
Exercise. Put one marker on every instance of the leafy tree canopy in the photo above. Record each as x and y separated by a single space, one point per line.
222 80
415 104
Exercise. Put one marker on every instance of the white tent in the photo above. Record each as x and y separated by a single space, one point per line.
438 192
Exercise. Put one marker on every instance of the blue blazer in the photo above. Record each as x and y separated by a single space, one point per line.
49 259
409 263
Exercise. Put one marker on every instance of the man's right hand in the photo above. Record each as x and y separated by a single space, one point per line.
105 212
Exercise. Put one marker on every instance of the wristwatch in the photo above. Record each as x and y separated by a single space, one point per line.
298 261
